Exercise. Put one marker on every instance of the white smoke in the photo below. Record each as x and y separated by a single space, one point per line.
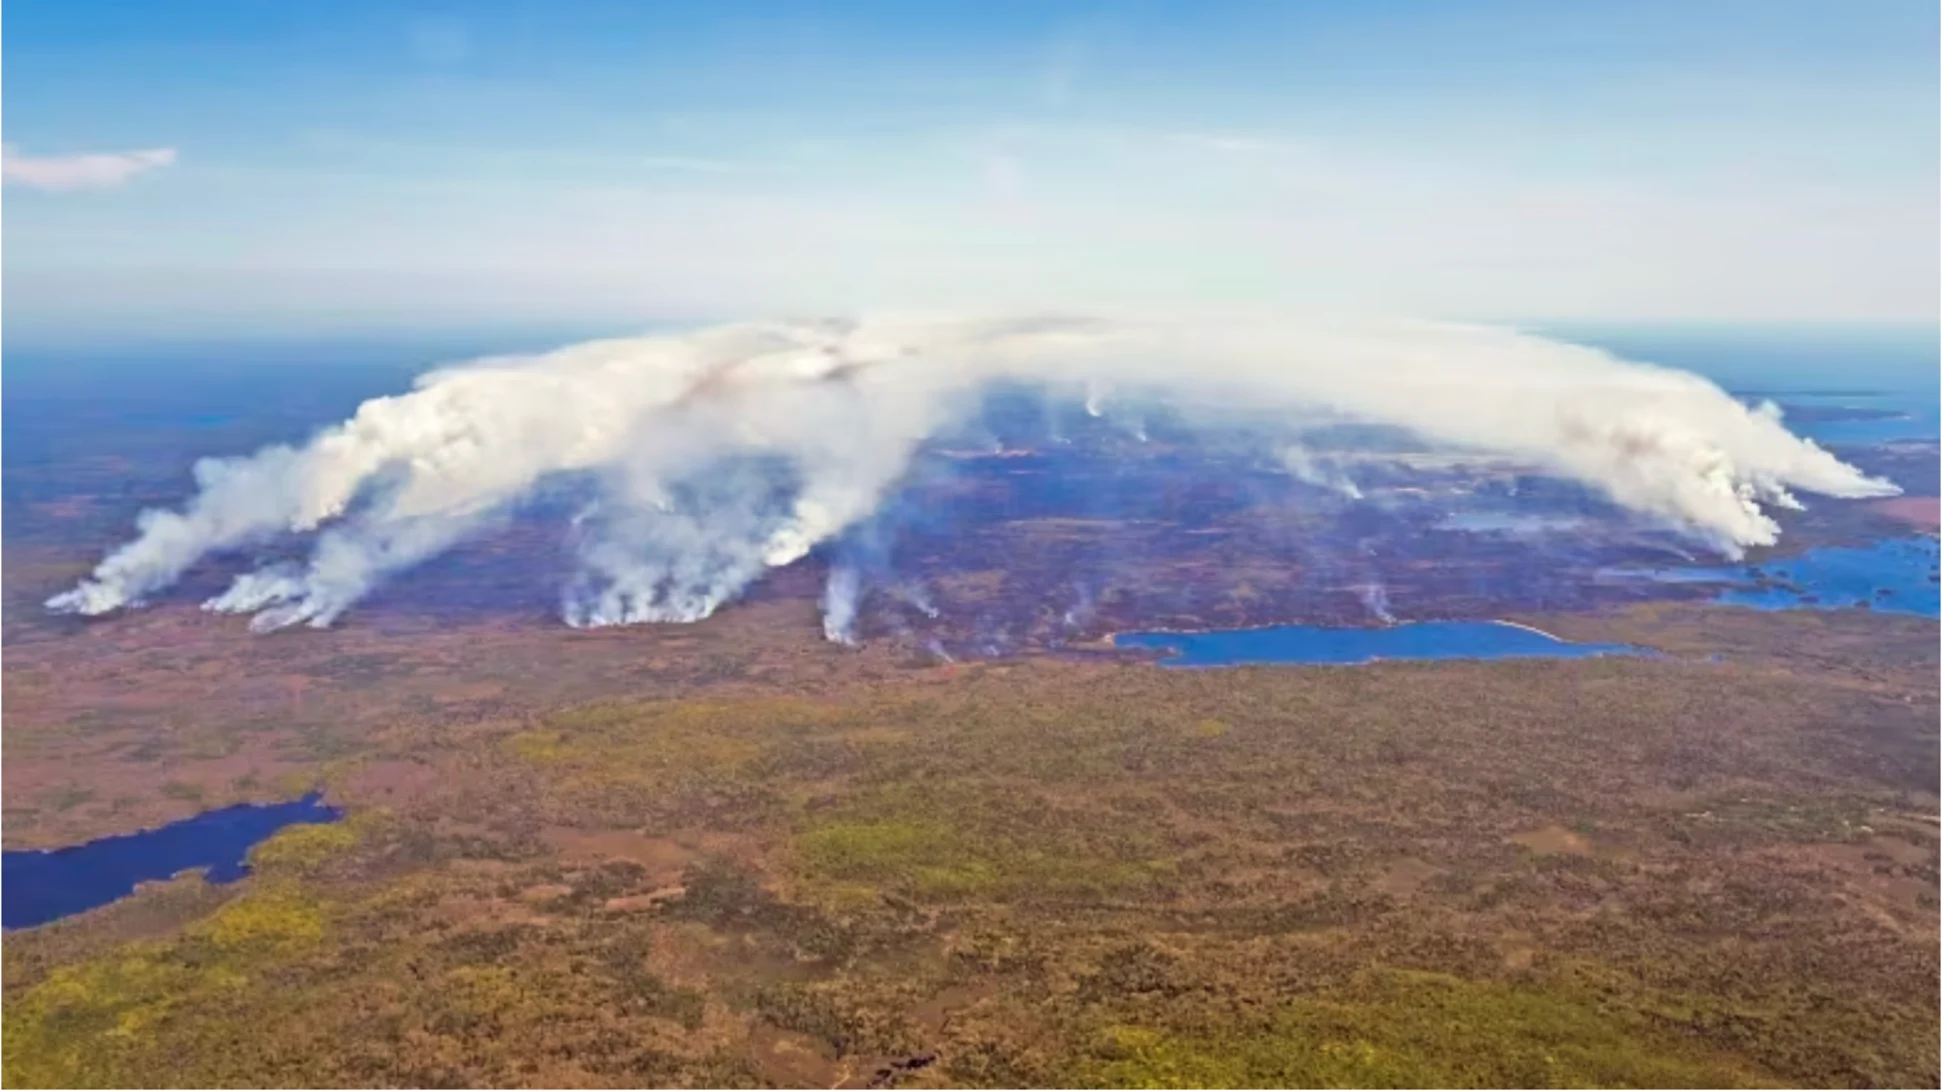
840 597
917 597
1375 598
732 450
1318 470
1080 612
1095 399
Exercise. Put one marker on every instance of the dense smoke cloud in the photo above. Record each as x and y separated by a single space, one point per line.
726 452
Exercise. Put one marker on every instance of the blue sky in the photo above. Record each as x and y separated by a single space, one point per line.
262 166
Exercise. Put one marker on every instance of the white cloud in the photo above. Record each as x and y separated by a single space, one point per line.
691 163
1018 217
94 170
1221 142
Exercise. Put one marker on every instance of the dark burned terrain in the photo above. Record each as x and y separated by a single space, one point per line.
732 854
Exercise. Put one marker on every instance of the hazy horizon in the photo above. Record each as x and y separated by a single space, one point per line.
318 171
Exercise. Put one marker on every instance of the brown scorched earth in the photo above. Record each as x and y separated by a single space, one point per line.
731 854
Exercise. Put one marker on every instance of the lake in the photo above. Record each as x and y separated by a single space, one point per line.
1319 645
1895 575
1882 417
38 886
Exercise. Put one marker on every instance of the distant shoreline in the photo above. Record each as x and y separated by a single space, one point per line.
1530 629
1113 637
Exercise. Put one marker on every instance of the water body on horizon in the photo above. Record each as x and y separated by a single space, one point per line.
38 886
1319 645
1877 417
1895 575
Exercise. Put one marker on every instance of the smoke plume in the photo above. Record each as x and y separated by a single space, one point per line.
840 597
729 451
1375 598
1318 471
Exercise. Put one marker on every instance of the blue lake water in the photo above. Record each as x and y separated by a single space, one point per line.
1916 417
1911 426
1895 575
41 886
1314 644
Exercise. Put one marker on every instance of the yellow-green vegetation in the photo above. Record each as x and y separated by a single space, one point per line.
275 918
1208 729
623 759
86 1024
930 857
306 847
94 1024
1598 873
958 843
1412 1029
635 738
